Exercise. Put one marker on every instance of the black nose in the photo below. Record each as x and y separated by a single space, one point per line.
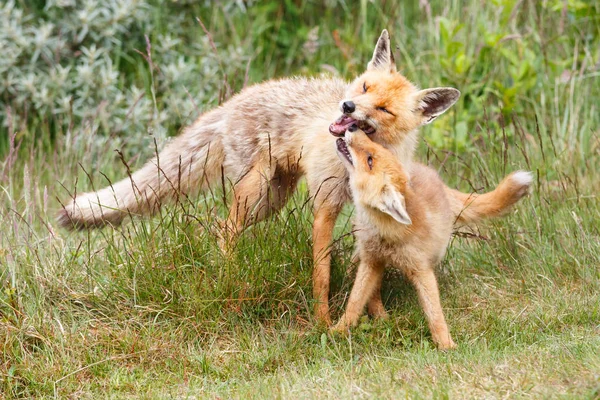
348 107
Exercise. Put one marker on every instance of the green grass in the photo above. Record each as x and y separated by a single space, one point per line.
152 309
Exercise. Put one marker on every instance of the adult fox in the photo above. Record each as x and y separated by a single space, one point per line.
263 140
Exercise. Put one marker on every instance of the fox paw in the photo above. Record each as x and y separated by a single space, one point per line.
445 345
340 327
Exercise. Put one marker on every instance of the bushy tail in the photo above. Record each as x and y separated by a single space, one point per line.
470 208
190 162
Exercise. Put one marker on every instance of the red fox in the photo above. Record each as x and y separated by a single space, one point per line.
263 140
404 218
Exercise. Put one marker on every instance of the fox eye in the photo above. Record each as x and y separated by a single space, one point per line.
365 87
385 110
370 162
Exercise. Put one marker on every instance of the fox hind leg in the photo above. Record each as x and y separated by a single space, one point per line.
375 306
426 286
261 192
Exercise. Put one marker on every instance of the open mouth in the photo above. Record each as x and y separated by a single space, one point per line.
339 127
342 148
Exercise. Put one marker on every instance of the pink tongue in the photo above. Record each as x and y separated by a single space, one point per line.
339 127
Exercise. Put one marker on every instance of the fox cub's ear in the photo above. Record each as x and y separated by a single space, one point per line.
392 203
434 102
383 59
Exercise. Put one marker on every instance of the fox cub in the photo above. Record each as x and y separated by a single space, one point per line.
404 218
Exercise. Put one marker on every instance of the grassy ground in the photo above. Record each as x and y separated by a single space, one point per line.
152 309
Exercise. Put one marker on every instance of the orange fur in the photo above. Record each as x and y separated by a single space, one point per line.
470 208
264 140
404 218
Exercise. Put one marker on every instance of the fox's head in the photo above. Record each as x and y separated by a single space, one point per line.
385 104
377 179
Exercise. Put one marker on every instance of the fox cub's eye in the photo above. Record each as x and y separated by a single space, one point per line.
385 110
370 162
364 87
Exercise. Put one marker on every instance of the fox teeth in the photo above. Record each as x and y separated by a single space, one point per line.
347 154
342 147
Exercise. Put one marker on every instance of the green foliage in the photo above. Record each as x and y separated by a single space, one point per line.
154 309
514 54
87 62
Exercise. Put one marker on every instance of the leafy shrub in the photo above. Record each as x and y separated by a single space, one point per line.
84 61
76 61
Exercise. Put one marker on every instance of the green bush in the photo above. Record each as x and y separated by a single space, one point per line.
68 62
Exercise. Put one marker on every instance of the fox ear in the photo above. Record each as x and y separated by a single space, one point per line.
383 59
433 102
393 204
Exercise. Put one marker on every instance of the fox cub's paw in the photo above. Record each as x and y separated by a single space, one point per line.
445 345
343 325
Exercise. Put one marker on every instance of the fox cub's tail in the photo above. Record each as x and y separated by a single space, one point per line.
187 164
470 208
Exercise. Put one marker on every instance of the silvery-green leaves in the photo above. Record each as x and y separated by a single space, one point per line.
73 62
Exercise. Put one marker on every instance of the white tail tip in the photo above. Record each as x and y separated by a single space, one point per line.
522 178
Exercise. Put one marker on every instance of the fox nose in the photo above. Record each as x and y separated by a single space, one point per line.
348 107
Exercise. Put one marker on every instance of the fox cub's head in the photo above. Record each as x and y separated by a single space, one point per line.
377 179
385 104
